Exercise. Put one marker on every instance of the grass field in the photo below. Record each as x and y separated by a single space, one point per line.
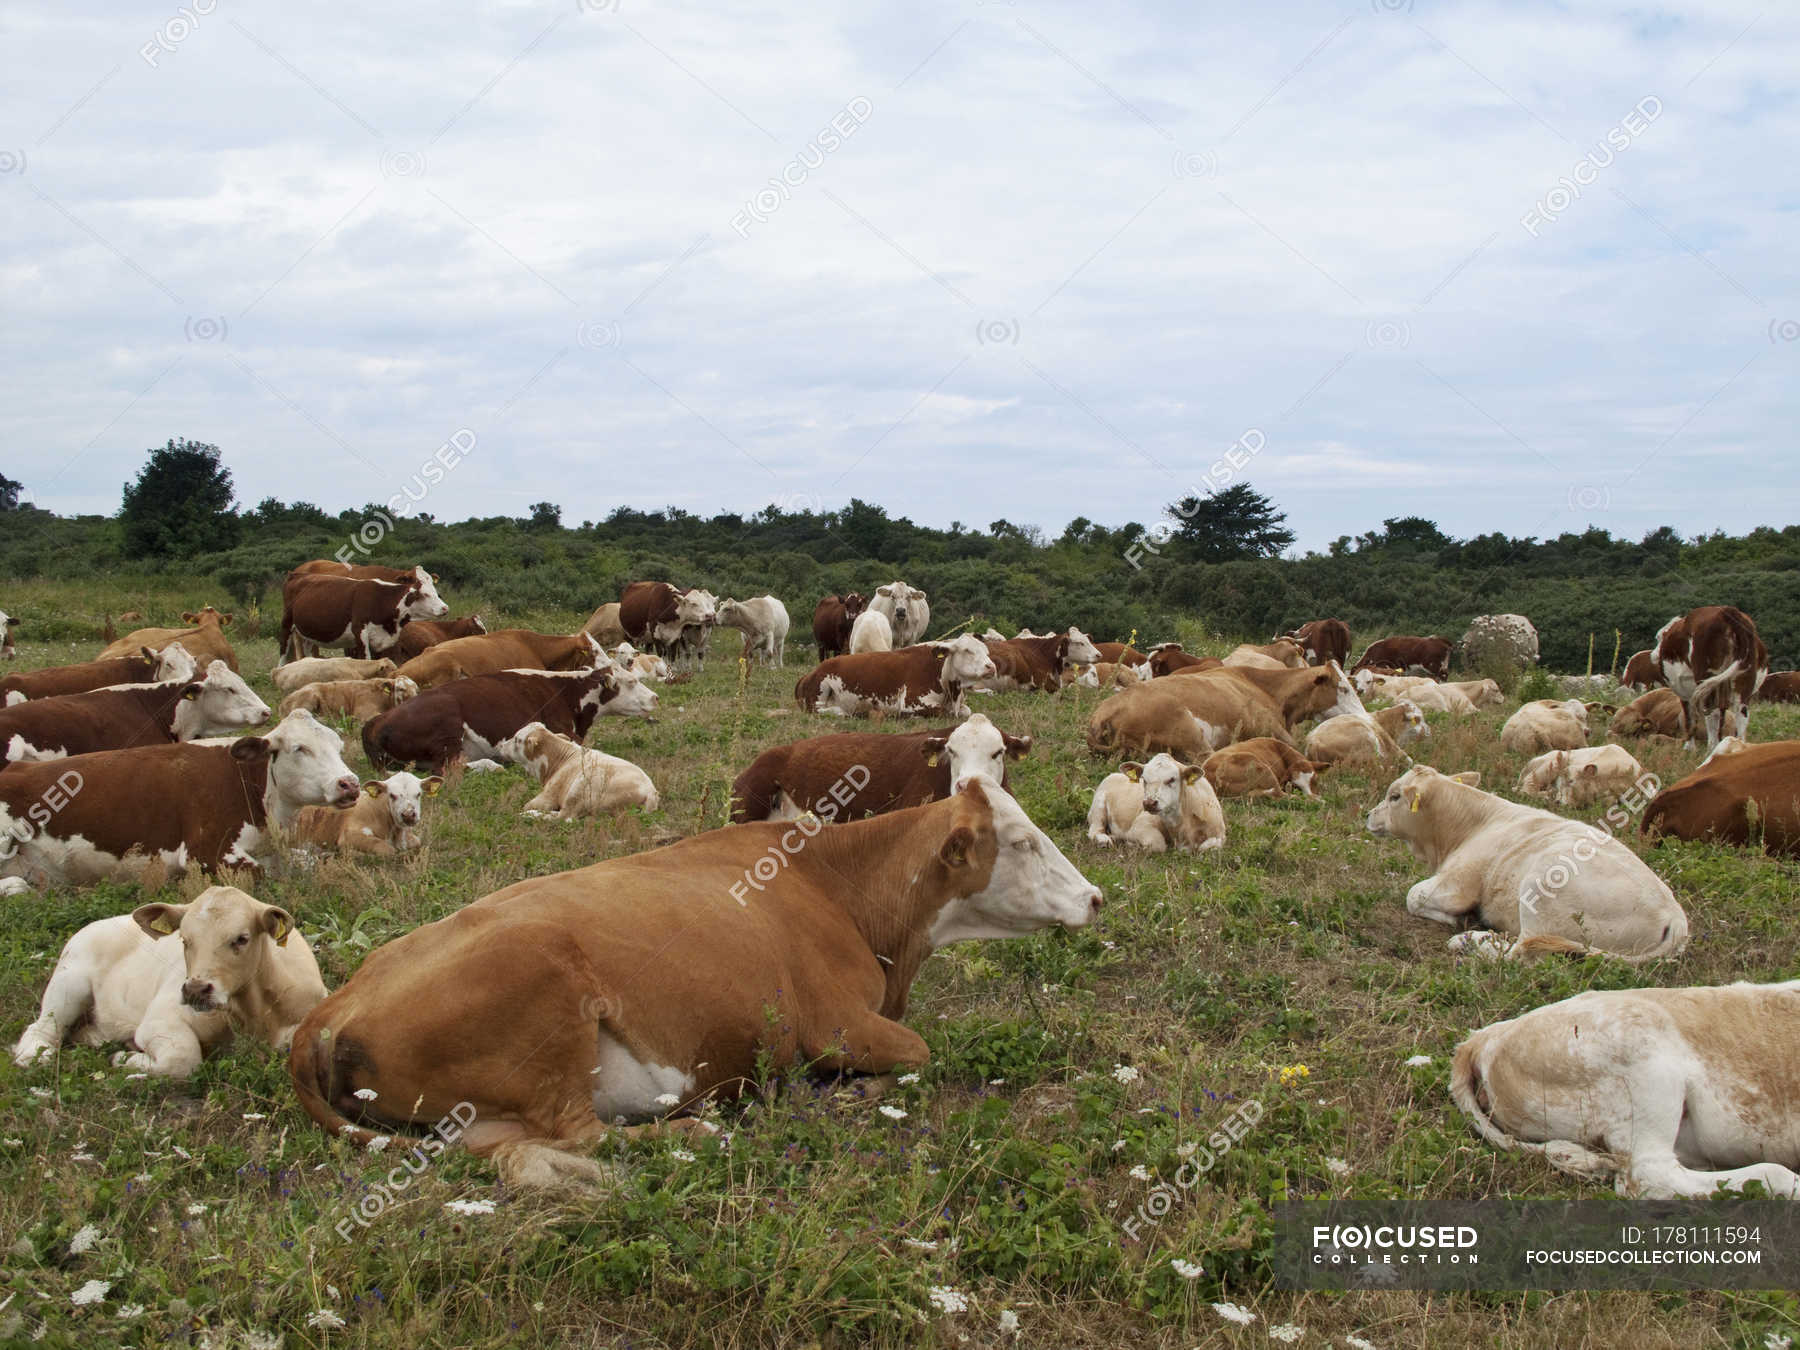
822 1221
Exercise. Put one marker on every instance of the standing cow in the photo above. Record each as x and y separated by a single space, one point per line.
833 620
906 610
1323 640
361 617
1713 658
763 621
658 617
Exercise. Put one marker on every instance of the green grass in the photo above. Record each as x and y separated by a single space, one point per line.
825 1221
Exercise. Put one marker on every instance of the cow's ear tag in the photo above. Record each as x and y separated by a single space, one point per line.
1417 796
932 759
161 924
189 695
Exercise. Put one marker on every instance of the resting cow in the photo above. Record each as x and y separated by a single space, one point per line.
358 699
383 820
911 681
204 639
1657 713
1431 655
576 783
1546 724
1281 654
645 985
1166 658
421 635
1549 884
1217 708
147 667
1782 686
8 629
1323 640
1371 738
1037 662
1158 806
1581 777
504 649
328 669
1733 799
604 627
128 715
1261 767
236 964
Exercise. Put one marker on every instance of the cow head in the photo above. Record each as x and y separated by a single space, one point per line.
404 794
976 747
695 607
207 617
533 745
421 602
306 766
1082 651
1006 878
428 590
1163 778
1413 802
1540 775
1413 725
174 662
399 689
227 938
966 660
621 692
218 704
855 603
1334 695
895 601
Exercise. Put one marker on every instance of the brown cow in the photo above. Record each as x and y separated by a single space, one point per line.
358 699
1166 658
1323 640
1120 653
1713 658
1781 686
1261 767
1429 654
133 714
1191 715
330 567
928 678
360 617
1037 662
1642 672
504 649
419 636
832 621
852 774
470 718
204 639
1732 799
1657 713
670 621
53 681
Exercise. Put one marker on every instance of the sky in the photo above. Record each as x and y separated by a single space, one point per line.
1509 266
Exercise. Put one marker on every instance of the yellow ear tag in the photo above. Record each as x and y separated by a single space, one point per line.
1415 805
932 759
162 925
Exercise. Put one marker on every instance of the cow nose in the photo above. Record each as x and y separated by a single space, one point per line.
1095 900
197 993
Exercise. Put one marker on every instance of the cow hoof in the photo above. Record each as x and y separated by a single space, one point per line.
484 766
14 886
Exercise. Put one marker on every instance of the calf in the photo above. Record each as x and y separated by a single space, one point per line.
1158 806
907 682
1481 693
383 820
1657 713
129 715
1733 799
1373 737
470 718
575 782
1323 640
147 667
1642 671
329 669
1430 654
1669 1092
647 666
560 1004
764 623
1372 683
871 633
421 635
506 649
1782 686
656 615
360 699
1103 675
1546 724
1714 658
833 620
116 813
852 774
239 966
1262 767
204 639
363 618
1444 698
1580 777
1549 884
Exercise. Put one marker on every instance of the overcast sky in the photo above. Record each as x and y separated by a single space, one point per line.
1053 260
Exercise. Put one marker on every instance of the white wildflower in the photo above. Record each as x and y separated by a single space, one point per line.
1287 1333
681 1155
1337 1167
1233 1312
379 1142
668 1099
1125 1073
1776 1341
331 1292
254 1115
1188 1149
1009 1322
1117 1145
365 1094
894 1112
1418 1061
947 1299
82 1155
1140 1173
196 1209
13 1143
127 1311
85 1238
41 1092
1188 1270
907 1079
91 1292
1358 1343
921 1243
470 1206
324 1319
144 1177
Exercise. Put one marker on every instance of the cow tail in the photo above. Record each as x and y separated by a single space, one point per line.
1465 1091
1707 687
312 1065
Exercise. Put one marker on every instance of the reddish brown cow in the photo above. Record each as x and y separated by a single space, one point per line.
1029 663
53 681
362 618
1323 640
1713 658
832 621
419 635
1119 653
1782 686
1642 672
1732 799
1169 657
1429 654
472 717
1657 713
928 678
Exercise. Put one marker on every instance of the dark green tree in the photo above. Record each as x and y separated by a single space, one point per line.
1229 525
181 503
545 516
9 493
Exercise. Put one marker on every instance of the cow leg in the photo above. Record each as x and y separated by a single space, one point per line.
1442 899
1661 1175
870 1043
68 1001
168 1049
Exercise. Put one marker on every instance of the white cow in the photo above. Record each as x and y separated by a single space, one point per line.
1546 724
1157 806
647 666
238 966
327 669
1578 777
1549 884
7 623
1360 737
906 610
576 782
871 632
1669 1092
764 623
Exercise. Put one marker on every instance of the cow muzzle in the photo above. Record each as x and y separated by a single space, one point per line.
348 790
201 996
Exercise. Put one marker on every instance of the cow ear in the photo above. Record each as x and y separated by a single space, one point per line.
277 923
932 747
1191 774
147 654
374 788
1132 770
190 692
1590 771
1468 778
431 785
249 748
1017 747
955 850
190 619
158 920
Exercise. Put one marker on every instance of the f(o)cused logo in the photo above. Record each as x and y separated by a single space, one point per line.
1002 332
205 329
598 335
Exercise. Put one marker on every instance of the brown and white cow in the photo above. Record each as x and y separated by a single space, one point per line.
657 616
1734 799
118 812
1714 659
358 699
1157 806
1781 686
470 718
912 681
645 985
1169 658
1642 671
1657 713
204 639
331 567
172 663
421 635
128 715
833 620
1323 640
383 821
503 649
238 965
1121 653
360 617
1037 662
1373 738
1581 777
852 774
1431 655
1261 767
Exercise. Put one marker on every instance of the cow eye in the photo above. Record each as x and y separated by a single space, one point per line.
1024 845
240 941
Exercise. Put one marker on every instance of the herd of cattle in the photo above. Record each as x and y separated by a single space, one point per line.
851 857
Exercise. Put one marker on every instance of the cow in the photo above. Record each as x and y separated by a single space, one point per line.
1670 1093
359 699
421 635
689 649
119 812
646 985
871 633
470 718
1374 737
1377 684
1657 713
1038 662
1158 806
1120 653
1443 698
655 616
1323 640
128 715
1781 686
852 774
383 821
1431 655
1576 778
928 678
147 667
906 610
1733 799
1281 654
763 620
575 783
648 667
329 669
833 619
1216 708
204 639
1168 658
1103 675
1546 724
361 618
1534 881
503 649
1261 767
604 627
8 631
1714 659
240 965
331 567
1642 671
